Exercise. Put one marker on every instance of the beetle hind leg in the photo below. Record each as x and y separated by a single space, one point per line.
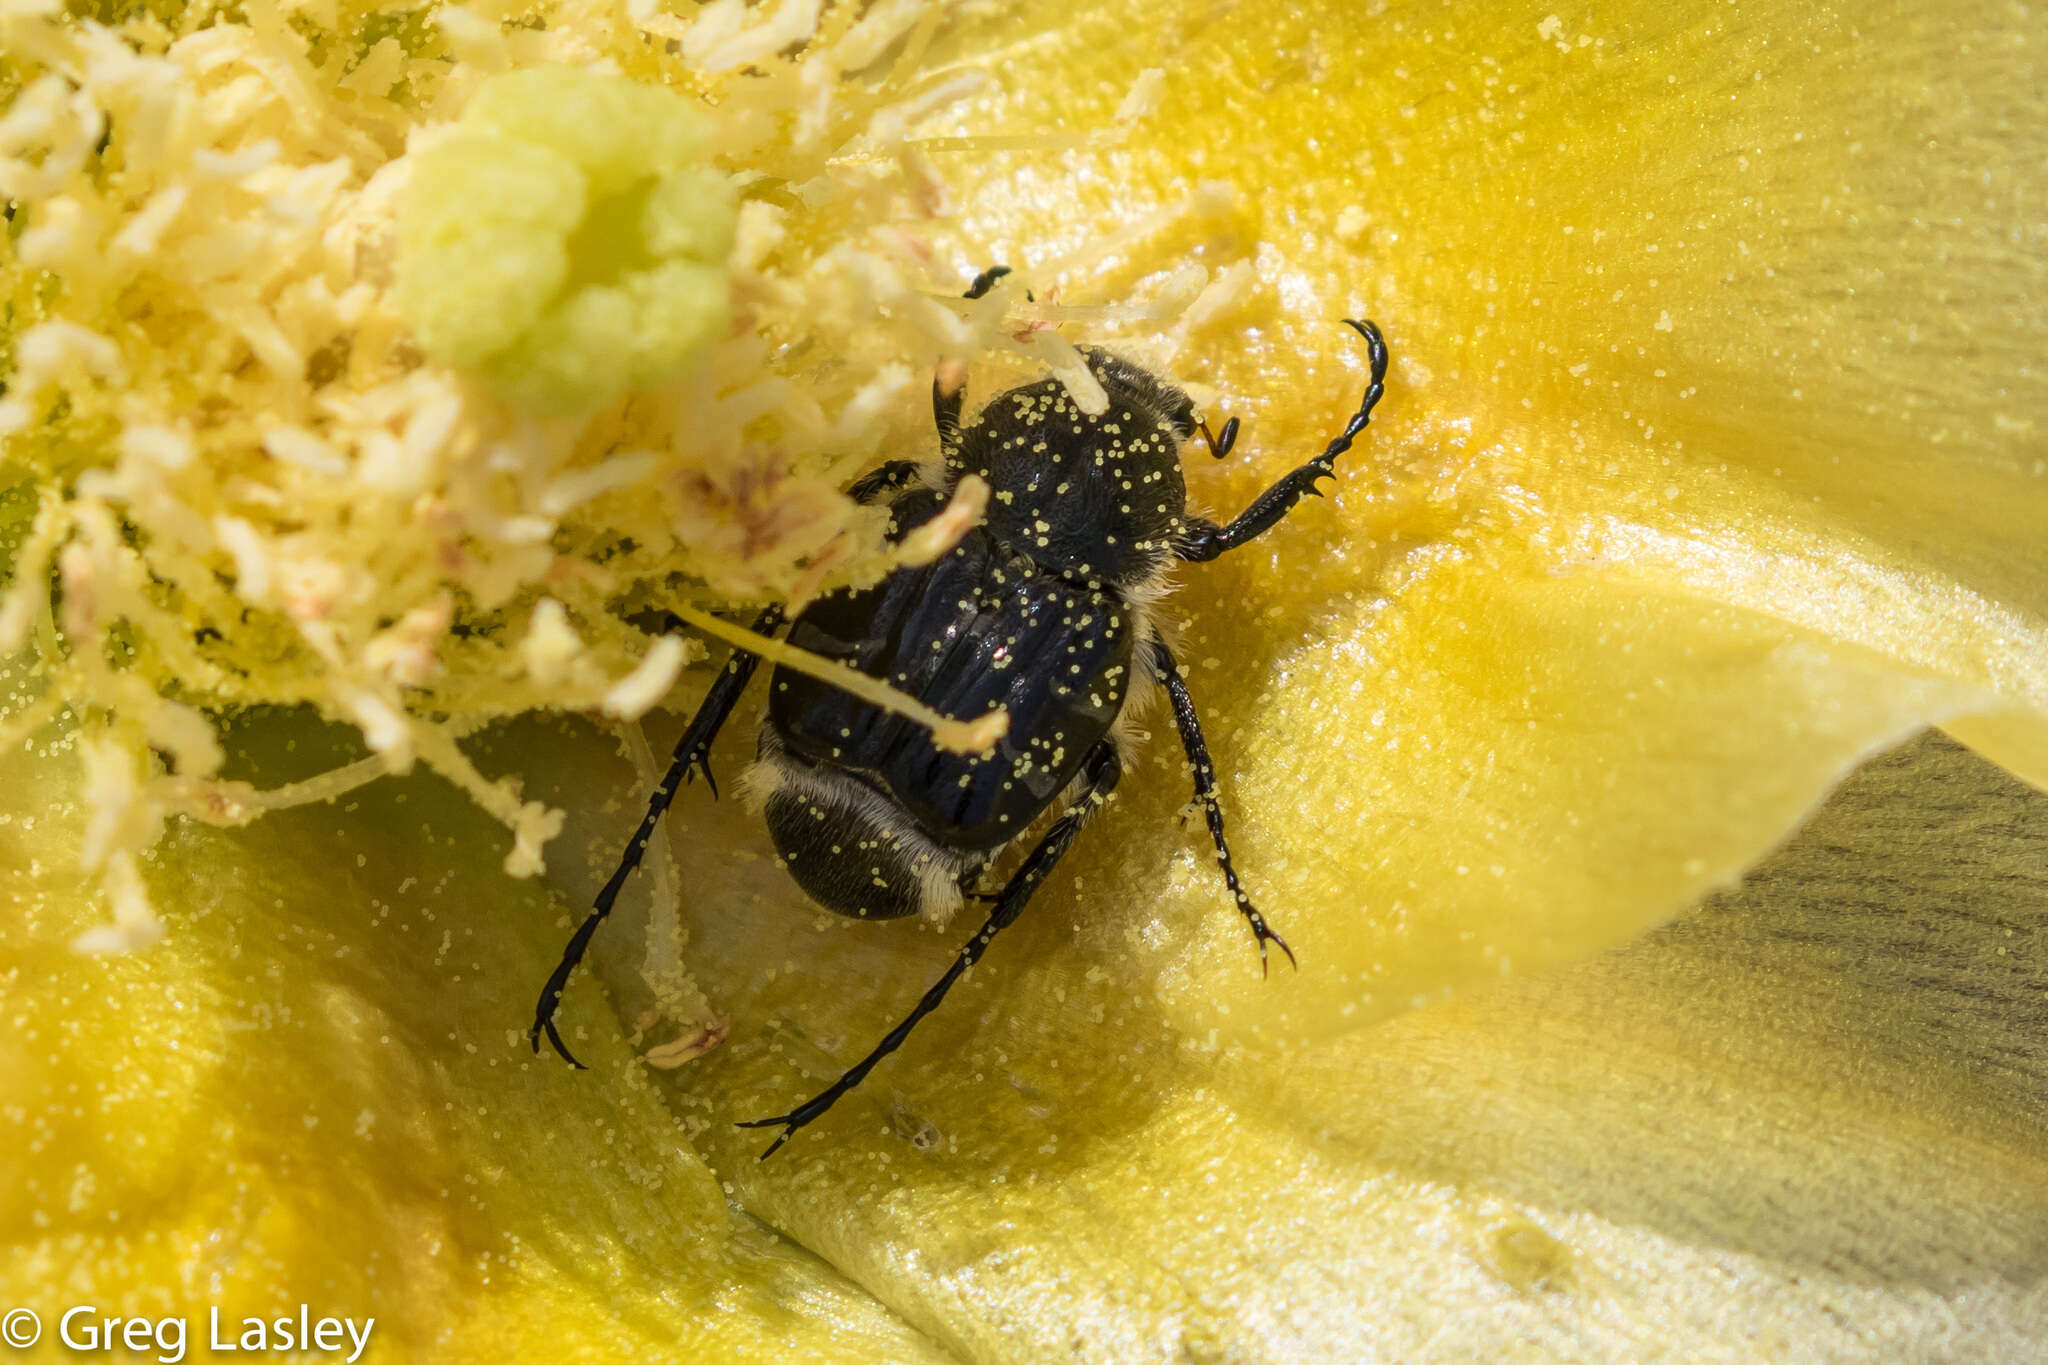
1099 778
1204 539
692 754
1192 740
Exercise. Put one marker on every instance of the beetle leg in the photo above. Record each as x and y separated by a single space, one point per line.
884 478
1205 540
1205 792
1100 776
692 751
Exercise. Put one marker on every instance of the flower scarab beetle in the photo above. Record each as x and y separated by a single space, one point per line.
1043 609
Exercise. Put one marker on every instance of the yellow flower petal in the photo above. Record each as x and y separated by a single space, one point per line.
1642 262
316 1090
1688 396
1605 604
1800 1124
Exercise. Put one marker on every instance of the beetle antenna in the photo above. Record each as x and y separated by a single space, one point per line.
1219 446
985 281
949 379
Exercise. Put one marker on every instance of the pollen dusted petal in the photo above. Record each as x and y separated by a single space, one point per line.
311 1088
1706 471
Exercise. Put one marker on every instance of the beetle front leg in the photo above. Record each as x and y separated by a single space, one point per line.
1099 778
1197 747
883 478
692 751
1204 539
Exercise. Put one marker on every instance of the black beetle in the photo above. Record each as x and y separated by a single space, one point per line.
1042 609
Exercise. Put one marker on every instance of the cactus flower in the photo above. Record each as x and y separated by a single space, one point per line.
1710 473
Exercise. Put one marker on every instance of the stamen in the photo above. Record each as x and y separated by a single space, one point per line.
977 736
